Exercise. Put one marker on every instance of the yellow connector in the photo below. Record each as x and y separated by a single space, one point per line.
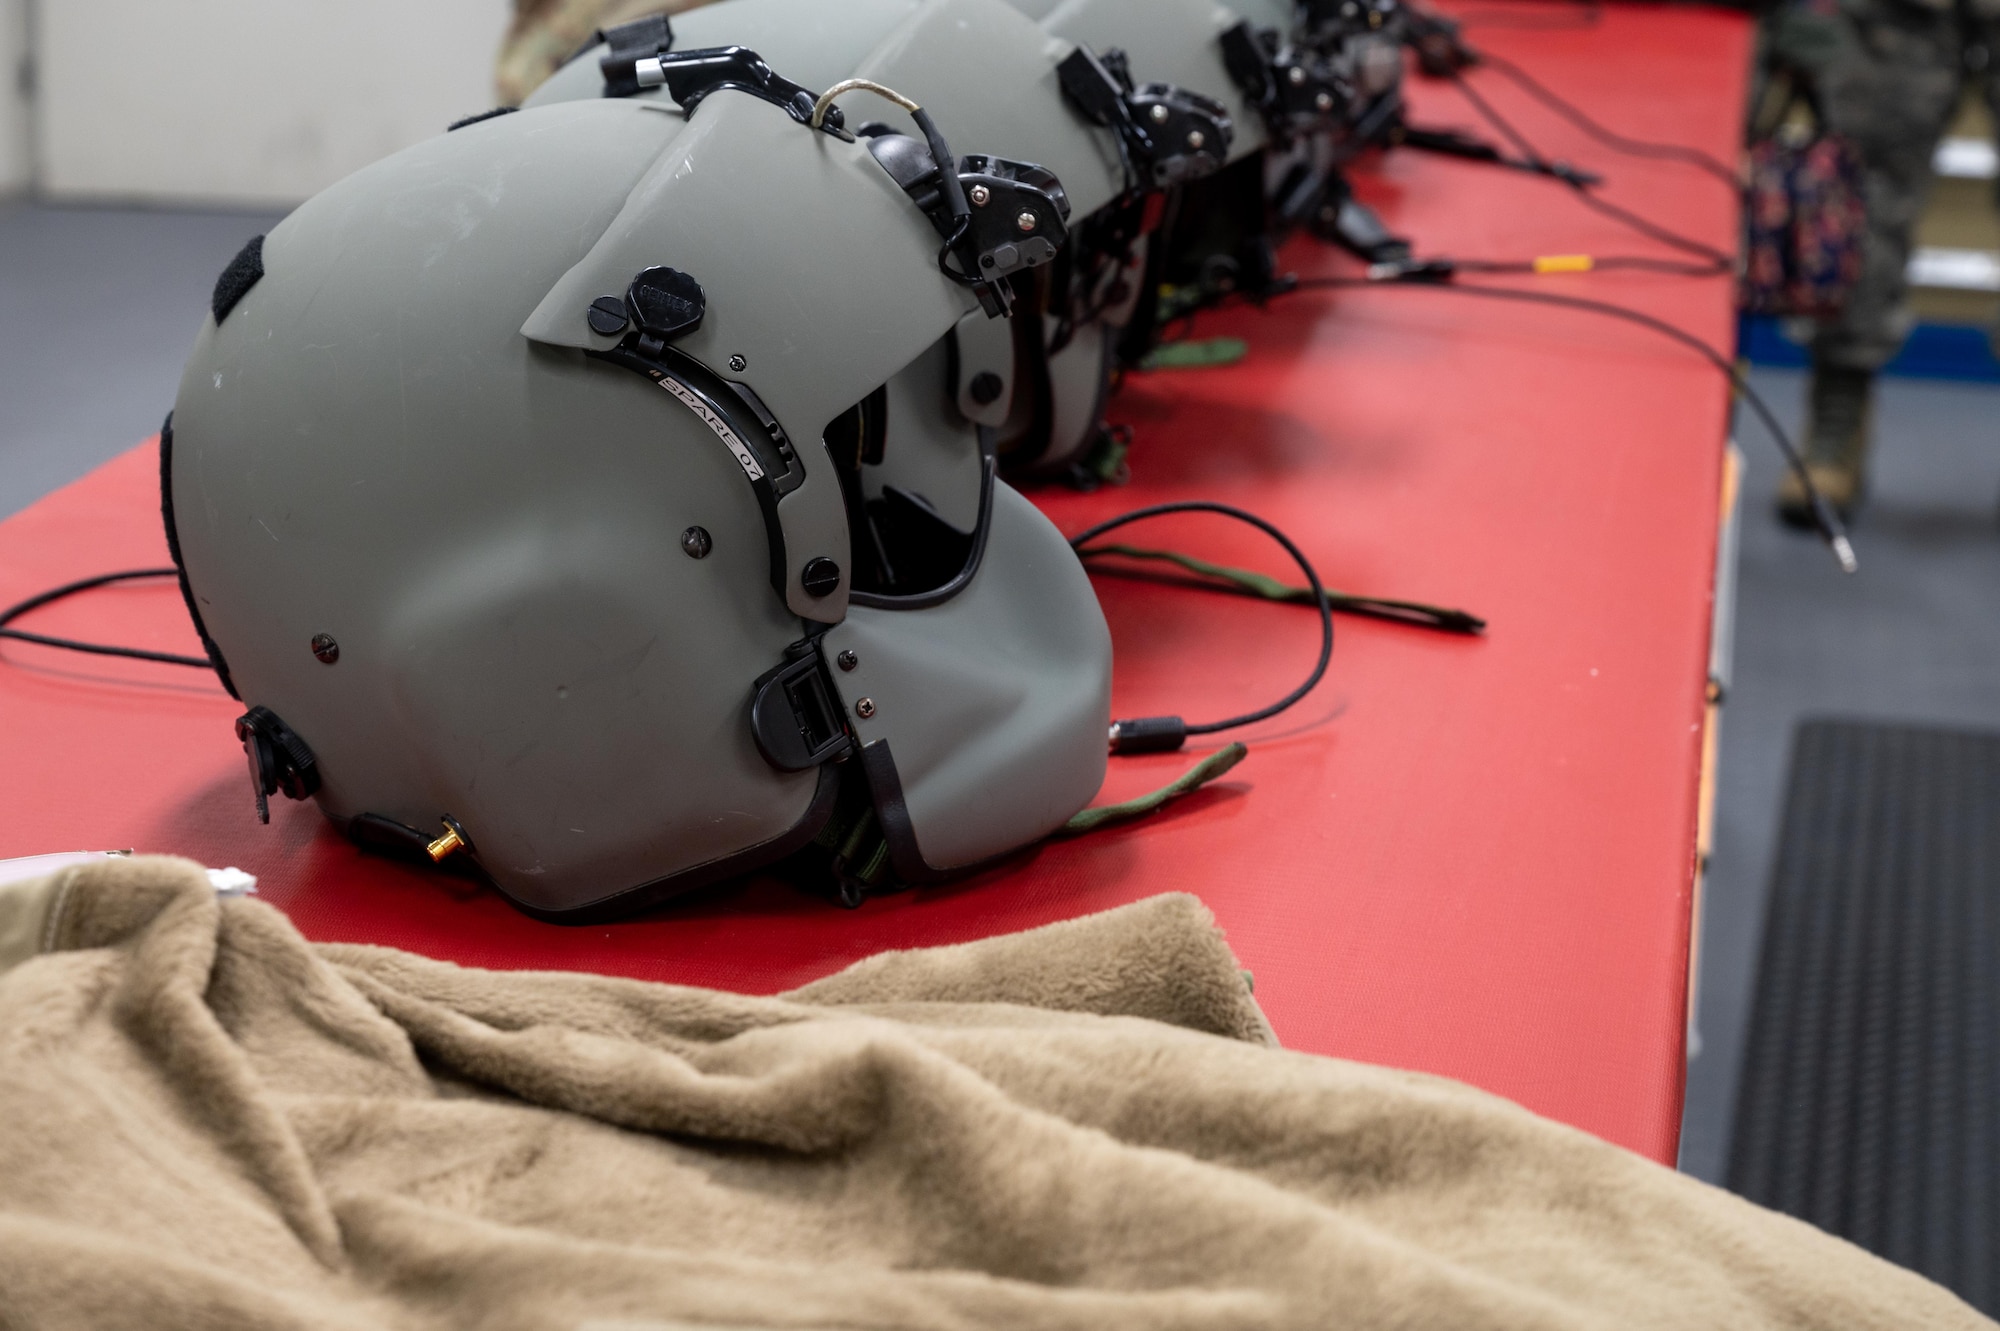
1564 263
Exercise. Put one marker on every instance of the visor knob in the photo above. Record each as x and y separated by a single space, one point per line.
665 302
820 576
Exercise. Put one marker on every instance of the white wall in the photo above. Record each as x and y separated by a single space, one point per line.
16 163
248 101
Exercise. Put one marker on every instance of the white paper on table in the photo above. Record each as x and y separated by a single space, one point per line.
231 882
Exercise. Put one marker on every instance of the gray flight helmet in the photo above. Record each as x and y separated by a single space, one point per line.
1217 238
1363 41
1174 41
488 590
1300 92
986 65
1332 86
1173 44
998 83
1295 97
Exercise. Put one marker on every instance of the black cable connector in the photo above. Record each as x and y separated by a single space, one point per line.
1148 734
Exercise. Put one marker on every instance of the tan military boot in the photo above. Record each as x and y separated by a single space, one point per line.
1836 449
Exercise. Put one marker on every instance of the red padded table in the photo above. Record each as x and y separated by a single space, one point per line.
1473 857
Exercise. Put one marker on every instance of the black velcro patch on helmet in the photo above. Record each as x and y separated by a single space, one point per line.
483 115
208 646
242 273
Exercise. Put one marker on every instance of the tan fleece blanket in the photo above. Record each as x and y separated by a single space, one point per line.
207 1122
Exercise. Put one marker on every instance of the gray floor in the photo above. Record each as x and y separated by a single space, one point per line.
1914 636
97 309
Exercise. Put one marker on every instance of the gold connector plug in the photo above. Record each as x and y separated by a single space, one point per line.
454 839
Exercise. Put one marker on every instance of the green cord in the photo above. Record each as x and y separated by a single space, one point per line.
1249 583
859 853
1194 778
1195 354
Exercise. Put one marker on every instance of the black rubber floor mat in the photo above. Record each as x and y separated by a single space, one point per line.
1870 1101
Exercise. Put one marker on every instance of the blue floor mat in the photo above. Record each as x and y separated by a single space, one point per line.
1934 351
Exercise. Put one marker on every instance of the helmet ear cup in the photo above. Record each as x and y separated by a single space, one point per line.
559 687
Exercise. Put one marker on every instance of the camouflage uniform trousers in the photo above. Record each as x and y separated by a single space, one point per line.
1889 75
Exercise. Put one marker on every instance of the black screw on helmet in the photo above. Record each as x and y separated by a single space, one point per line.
820 577
607 316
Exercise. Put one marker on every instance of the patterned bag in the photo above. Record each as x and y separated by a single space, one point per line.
545 33
1805 220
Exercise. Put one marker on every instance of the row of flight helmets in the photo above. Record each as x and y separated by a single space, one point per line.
605 496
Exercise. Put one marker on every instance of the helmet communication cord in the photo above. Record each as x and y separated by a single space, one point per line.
1825 519
15 611
1245 582
953 189
1619 143
1436 273
1163 734
1718 261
